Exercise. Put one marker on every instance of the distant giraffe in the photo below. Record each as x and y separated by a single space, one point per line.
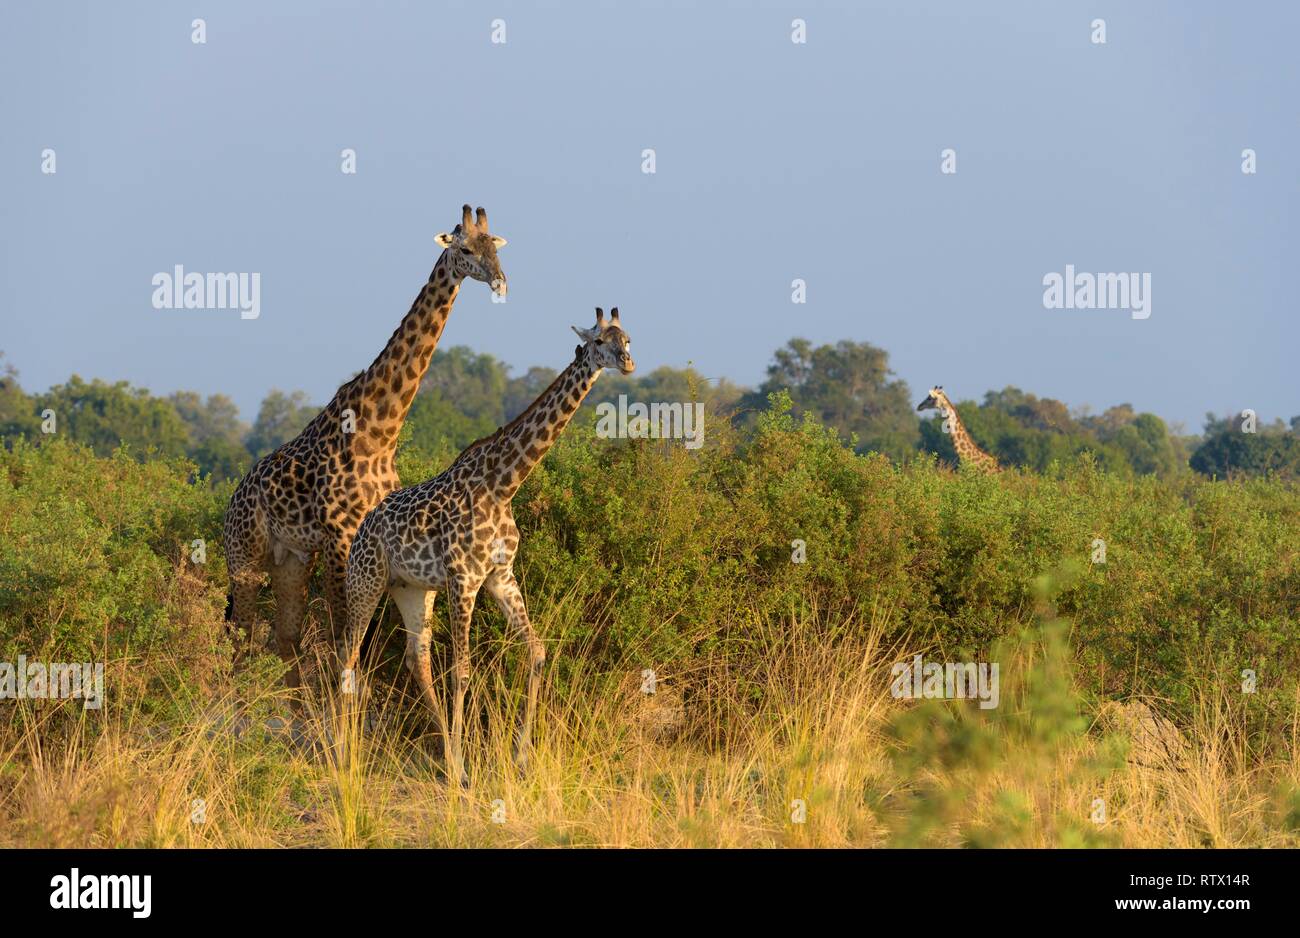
967 450
457 532
309 496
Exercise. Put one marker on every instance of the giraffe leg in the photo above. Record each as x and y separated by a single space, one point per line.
289 582
505 590
247 551
416 606
365 583
241 608
335 565
460 599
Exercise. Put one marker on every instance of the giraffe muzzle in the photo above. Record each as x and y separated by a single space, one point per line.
499 286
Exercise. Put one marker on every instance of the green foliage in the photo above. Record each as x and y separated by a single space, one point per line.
954 750
105 416
17 410
522 391
472 383
437 425
847 386
1229 452
658 554
672 551
1146 445
662 554
666 384
281 418
216 434
94 561
465 396
215 418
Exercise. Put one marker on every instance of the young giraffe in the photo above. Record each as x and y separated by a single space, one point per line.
309 496
457 532
967 450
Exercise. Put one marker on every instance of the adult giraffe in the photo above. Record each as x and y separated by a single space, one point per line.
968 450
457 532
308 497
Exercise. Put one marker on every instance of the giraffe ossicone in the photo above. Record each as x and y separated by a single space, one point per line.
457 532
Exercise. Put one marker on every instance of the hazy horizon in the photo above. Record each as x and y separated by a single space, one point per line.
774 161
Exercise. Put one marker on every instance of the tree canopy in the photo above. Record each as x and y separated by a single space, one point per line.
847 386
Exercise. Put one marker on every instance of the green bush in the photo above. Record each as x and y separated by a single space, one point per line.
674 550
95 562
642 551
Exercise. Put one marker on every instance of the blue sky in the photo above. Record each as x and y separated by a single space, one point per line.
774 161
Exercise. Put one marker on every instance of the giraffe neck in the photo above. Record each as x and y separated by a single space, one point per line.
957 428
381 397
967 449
505 459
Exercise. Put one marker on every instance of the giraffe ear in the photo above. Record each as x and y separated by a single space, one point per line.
586 335
445 240
499 241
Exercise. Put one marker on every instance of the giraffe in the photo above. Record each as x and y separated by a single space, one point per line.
967 450
457 532
307 498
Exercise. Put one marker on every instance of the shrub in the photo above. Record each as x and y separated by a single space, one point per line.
650 552
94 563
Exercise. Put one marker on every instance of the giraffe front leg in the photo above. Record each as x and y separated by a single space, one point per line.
289 582
241 610
505 590
247 551
460 599
364 585
335 586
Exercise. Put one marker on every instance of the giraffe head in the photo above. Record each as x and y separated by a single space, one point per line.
474 250
606 344
935 399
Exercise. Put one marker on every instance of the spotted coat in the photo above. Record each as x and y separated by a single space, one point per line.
307 498
457 532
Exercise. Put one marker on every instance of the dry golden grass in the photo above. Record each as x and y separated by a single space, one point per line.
613 768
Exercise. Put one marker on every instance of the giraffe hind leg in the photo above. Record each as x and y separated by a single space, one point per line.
505 590
416 607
